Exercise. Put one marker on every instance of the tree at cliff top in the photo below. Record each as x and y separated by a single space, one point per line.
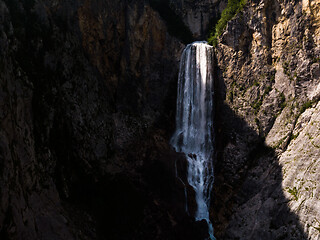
233 8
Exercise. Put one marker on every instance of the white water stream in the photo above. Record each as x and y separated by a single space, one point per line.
194 123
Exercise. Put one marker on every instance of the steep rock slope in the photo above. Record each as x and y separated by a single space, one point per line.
87 108
268 163
88 90
199 15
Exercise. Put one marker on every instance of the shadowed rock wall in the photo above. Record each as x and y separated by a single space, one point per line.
87 106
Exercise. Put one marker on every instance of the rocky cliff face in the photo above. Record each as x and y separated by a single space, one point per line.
87 102
88 91
268 63
200 15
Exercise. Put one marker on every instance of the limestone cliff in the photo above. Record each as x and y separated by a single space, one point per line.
269 78
87 95
87 89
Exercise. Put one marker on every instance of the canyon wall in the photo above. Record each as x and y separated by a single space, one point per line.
88 92
268 164
87 95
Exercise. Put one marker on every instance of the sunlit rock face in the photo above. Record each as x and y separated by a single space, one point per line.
268 61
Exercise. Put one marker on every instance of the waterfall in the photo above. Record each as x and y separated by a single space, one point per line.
194 123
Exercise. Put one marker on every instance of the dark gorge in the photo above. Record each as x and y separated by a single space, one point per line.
88 95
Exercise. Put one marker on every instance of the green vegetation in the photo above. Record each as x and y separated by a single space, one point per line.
282 103
294 136
273 77
316 59
305 106
279 144
233 8
317 228
255 83
294 192
267 90
309 136
175 25
285 67
230 97
256 106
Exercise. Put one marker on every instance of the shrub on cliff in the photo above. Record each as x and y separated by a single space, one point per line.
233 7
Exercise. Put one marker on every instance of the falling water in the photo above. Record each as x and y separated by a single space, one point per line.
194 123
